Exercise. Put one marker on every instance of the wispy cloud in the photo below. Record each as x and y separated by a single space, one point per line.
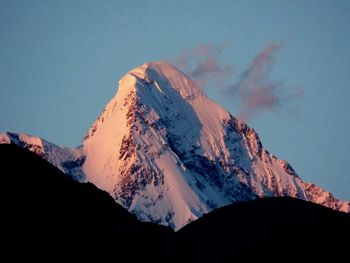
254 89
203 64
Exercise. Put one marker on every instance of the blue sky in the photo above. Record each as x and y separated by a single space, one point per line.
60 62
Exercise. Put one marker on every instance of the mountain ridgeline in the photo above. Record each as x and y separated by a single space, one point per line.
167 153
47 214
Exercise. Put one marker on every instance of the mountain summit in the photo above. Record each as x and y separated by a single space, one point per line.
169 154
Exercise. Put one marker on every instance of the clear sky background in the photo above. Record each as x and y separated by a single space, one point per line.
60 62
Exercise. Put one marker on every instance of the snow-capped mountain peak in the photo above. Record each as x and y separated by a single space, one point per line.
169 154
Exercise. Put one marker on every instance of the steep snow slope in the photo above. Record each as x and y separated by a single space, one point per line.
169 154
68 160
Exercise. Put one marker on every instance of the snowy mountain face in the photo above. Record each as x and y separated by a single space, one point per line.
68 160
169 154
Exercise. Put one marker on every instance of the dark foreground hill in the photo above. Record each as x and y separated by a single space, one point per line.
267 230
45 211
